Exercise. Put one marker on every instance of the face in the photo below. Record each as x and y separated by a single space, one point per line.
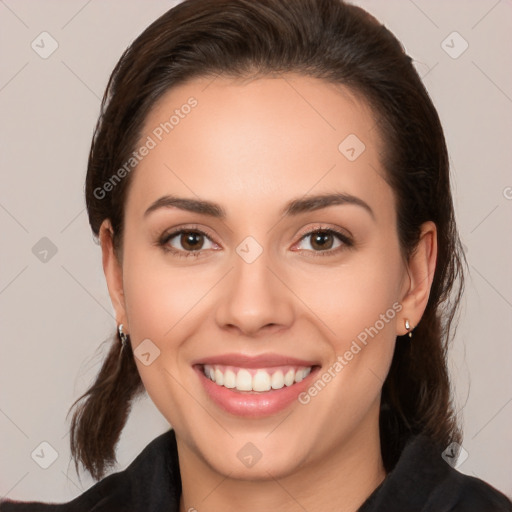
262 279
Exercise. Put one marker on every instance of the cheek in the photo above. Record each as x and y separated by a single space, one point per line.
164 304
358 296
358 313
160 297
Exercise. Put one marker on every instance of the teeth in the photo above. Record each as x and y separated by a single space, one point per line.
289 378
229 379
219 377
259 380
277 380
302 374
244 381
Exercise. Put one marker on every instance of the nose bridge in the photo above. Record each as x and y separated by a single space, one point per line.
252 296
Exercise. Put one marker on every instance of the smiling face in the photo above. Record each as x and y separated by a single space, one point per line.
243 282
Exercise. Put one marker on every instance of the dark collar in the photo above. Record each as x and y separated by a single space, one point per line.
423 481
420 482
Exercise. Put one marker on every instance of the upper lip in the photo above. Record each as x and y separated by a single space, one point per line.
260 361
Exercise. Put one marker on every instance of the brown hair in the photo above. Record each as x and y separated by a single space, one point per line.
341 44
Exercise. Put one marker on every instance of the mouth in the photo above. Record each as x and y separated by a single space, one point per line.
258 380
255 387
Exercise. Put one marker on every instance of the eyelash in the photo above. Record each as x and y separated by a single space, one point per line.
164 239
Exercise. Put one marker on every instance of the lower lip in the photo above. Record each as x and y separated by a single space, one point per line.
254 404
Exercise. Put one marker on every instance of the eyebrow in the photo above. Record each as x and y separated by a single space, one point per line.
292 208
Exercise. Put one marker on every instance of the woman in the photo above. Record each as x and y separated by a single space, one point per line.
269 183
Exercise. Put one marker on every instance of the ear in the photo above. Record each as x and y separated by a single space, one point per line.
420 269
113 272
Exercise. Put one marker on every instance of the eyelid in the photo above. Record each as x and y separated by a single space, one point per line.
344 233
187 227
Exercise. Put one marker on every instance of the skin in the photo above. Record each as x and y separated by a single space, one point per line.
251 146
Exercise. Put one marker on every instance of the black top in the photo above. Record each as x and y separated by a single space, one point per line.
421 481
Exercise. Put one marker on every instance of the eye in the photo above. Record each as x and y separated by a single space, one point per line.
324 240
192 242
187 242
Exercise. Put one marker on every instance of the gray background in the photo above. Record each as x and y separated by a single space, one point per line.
55 308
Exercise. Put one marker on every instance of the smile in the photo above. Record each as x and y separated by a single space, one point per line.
255 386
255 379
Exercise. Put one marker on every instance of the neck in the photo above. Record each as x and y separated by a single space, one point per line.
340 482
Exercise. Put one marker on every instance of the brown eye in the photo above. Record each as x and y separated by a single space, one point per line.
187 242
191 241
327 241
322 240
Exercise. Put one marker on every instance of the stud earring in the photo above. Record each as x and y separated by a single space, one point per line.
123 337
408 327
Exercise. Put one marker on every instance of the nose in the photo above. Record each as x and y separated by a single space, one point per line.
255 299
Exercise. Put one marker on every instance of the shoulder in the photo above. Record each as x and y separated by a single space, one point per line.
423 481
150 480
464 493
449 489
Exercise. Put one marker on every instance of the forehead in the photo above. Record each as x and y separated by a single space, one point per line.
240 141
